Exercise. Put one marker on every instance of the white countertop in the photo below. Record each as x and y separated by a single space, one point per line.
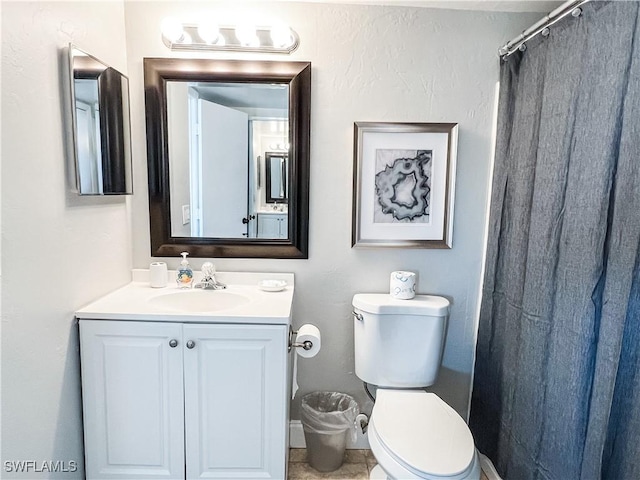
134 301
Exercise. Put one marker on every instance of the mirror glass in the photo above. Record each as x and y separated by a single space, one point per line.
219 136
101 131
228 157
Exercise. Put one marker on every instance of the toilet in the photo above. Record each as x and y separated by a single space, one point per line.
398 348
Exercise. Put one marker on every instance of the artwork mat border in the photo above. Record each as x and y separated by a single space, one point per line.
439 232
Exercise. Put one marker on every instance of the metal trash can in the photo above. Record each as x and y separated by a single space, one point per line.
327 419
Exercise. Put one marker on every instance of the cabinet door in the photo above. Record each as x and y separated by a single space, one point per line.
235 401
268 226
132 398
284 227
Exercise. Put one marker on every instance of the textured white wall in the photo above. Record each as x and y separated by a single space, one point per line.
59 251
370 63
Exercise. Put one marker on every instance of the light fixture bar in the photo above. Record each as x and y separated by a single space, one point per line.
277 39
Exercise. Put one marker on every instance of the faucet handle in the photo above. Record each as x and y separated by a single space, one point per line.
208 270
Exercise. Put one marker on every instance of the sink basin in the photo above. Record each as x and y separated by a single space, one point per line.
199 301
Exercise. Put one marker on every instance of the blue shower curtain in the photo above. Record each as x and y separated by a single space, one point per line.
556 390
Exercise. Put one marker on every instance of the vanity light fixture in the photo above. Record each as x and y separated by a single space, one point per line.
283 147
208 35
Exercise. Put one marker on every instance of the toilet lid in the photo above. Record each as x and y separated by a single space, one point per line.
423 432
383 303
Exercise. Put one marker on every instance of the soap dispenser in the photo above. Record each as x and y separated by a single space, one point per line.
185 273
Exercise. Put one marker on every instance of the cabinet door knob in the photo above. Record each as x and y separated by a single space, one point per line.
173 343
191 344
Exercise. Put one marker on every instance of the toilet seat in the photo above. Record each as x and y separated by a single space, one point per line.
415 432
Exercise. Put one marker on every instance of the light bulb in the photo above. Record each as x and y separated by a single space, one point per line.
247 35
172 29
281 36
209 32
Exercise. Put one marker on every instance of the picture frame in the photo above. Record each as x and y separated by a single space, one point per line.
404 184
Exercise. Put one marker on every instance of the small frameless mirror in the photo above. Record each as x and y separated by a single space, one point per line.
101 129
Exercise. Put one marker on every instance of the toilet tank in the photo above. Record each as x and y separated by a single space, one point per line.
399 343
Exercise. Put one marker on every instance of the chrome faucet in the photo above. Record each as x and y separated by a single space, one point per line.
209 281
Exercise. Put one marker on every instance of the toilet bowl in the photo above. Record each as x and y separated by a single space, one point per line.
398 348
415 435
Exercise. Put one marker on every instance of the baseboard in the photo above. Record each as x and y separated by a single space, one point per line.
488 468
296 434
296 437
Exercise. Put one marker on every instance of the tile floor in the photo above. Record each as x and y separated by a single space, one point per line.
357 465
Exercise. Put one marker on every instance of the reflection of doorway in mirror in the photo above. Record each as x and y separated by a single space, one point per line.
270 141
208 145
217 145
224 136
88 148
268 134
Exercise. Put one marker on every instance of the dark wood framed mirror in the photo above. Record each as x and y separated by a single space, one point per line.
209 122
276 177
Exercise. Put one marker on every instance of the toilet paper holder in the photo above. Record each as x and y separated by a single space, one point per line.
306 345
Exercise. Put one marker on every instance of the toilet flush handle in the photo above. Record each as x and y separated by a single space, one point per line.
357 316
362 421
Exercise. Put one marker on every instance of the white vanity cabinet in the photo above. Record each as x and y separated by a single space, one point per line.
272 225
236 405
184 400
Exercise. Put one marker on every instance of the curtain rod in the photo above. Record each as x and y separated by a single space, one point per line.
571 7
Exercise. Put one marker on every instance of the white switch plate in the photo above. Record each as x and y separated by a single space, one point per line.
186 214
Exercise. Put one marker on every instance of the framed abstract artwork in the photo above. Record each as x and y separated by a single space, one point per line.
403 184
